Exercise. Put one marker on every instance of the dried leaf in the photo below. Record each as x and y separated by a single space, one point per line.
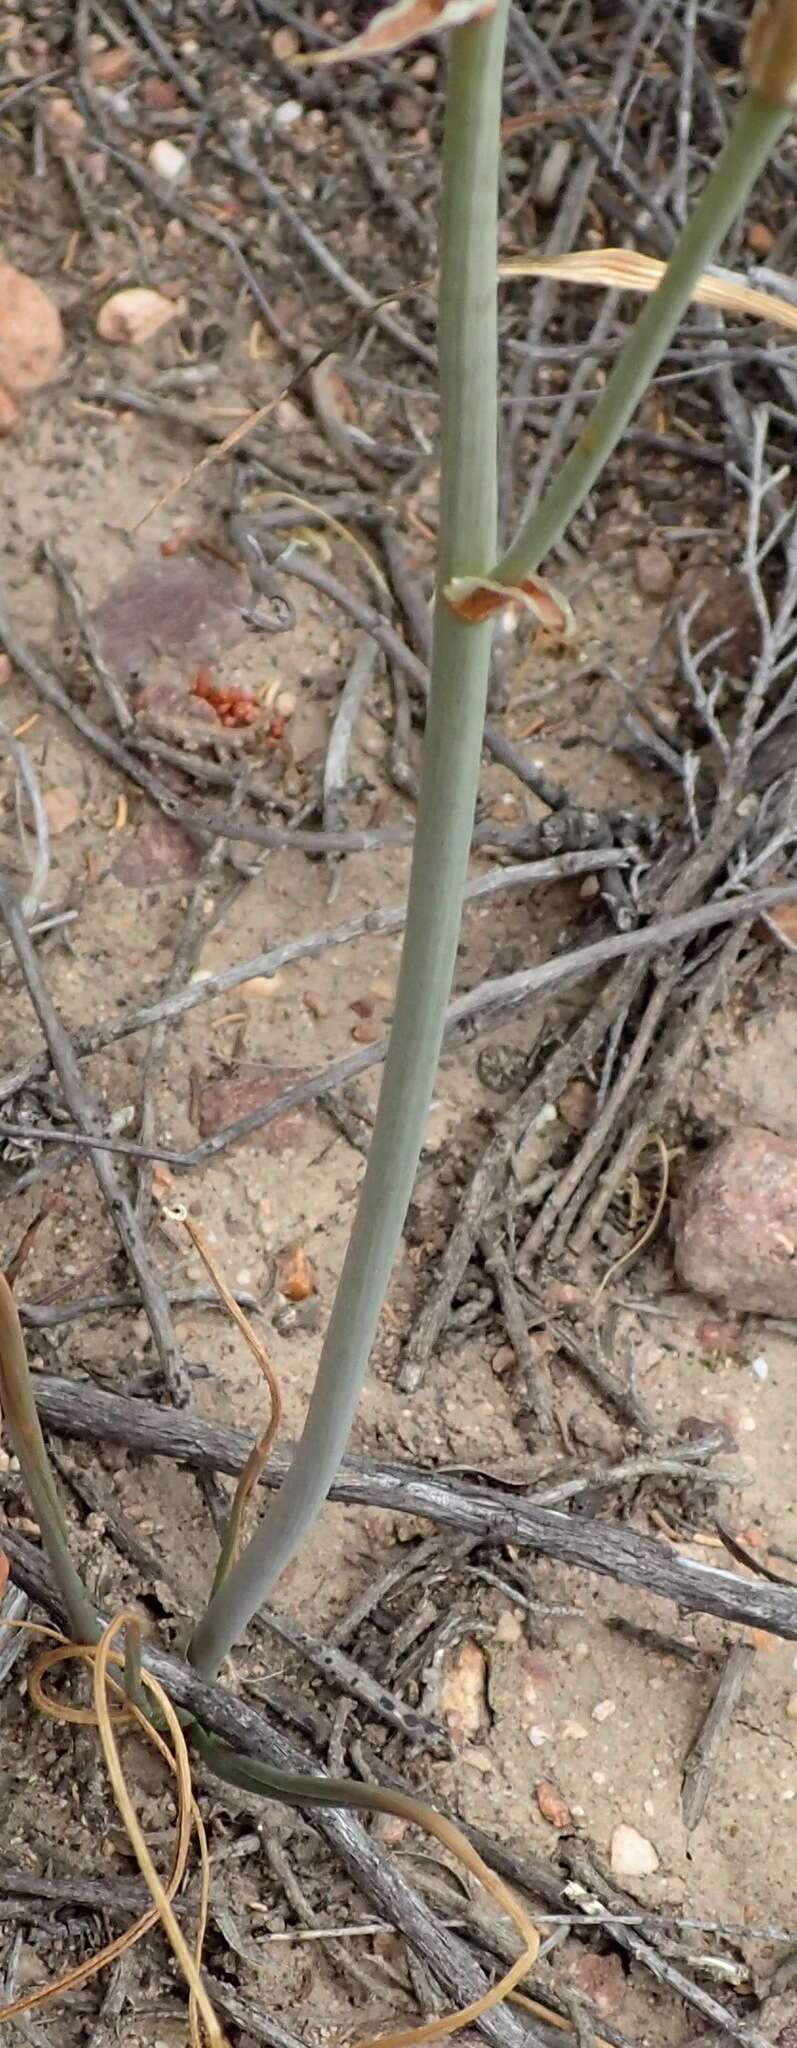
222 1102
31 336
158 851
134 315
296 1277
393 27
463 1692
629 270
63 809
474 598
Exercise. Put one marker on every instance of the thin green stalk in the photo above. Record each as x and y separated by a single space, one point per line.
457 702
19 1412
753 137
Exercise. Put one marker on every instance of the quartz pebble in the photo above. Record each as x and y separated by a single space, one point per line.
631 1854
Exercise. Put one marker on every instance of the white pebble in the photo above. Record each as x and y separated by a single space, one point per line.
760 1369
631 1854
167 161
604 1710
289 112
537 1736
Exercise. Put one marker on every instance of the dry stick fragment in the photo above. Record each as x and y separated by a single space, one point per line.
73 1410
545 1087
377 1982
619 1265
356 1682
236 151
89 636
297 562
536 1382
341 734
203 826
171 201
479 1008
41 864
247 1732
654 1104
620 1398
92 1038
586 1871
562 1201
259 1453
378 1877
192 933
79 1102
703 1752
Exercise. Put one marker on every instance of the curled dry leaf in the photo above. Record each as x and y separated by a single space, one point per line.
296 1277
628 270
63 809
31 336
133 316
474 598
393 27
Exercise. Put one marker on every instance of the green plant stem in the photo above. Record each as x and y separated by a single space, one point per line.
752 138
457 702
19 1412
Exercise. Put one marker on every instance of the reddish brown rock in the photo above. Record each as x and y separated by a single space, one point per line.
725 605
653 570
735 1225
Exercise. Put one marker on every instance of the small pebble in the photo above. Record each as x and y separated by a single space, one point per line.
167 161
760 1369
653 571
553 1806
573 1731
791 1707
631 1854
553 173
507 1627
538 1736
604 1710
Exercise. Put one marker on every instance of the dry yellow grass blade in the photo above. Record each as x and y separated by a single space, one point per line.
65 1652
176 1212
628 270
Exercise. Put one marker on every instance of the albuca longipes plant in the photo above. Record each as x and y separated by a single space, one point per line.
474 579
